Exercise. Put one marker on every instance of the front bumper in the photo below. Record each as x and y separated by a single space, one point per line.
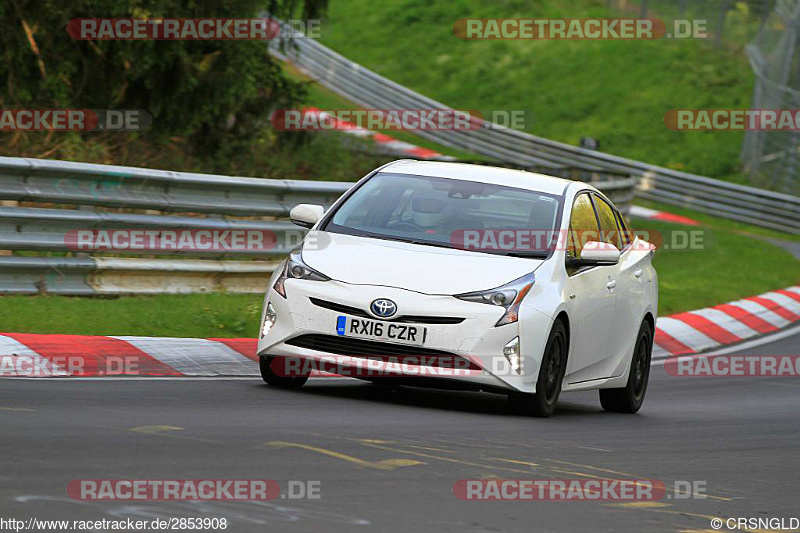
475 338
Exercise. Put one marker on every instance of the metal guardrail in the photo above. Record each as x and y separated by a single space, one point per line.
368 89
95 197
98 276
64 182
93 188
41 229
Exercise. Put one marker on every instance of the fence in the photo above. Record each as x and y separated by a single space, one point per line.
65 196
771 157
733 21
368 89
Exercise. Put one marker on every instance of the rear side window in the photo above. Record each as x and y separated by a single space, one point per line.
582 226
608 223
627 234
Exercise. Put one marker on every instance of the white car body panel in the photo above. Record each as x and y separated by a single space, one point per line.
388 263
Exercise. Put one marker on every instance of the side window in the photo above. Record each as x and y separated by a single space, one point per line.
582 226
608 223
627 234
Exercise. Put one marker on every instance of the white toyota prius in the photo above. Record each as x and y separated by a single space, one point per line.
464 276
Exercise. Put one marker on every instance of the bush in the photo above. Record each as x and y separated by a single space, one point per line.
215 94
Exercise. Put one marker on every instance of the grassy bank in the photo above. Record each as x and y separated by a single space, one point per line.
189 315
324 98
320 157
731 266
614 91
720 223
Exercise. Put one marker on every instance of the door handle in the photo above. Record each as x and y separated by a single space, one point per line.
611 284
638 272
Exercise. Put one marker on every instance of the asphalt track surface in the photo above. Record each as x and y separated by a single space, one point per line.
387 460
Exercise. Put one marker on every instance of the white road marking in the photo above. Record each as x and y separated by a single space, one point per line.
766 339
686 334
784 301
17 360
761 312
195 357
642 212
726 322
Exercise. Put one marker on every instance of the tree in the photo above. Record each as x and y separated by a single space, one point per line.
214 93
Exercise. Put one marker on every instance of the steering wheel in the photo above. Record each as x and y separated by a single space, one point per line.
406 225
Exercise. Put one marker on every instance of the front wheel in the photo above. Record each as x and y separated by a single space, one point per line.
269 376
630 398
542 403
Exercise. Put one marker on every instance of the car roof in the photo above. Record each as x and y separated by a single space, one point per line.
485 174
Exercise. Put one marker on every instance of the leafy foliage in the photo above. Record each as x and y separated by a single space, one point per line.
216 94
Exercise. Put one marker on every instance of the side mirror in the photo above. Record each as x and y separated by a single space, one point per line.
600 253
306 215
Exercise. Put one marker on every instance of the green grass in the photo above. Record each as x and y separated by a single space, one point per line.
615 91
716 222
324 98
189 315
733 266
322 157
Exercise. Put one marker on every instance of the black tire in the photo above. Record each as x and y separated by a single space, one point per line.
271 378
629 399
542 403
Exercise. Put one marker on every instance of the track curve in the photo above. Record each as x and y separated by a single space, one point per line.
387 460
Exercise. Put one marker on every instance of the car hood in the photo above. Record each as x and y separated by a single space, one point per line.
416 267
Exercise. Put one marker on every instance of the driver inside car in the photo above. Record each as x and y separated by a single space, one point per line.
428 213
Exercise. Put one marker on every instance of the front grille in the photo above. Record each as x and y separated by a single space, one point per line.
429 319
339 308
383 351
406 319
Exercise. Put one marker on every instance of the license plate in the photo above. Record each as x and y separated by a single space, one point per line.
365 328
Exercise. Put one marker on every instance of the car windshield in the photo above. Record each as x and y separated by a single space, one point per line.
448 213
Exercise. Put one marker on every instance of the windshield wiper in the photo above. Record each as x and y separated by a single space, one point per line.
401 239
527 255
427 243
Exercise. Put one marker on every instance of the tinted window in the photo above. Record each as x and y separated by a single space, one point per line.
626 233
608 222
432 210
582 226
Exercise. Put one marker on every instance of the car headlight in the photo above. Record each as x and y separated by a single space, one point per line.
508 296
296 268
270 317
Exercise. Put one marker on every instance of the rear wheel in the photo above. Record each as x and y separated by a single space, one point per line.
551 375
629 399
267 366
